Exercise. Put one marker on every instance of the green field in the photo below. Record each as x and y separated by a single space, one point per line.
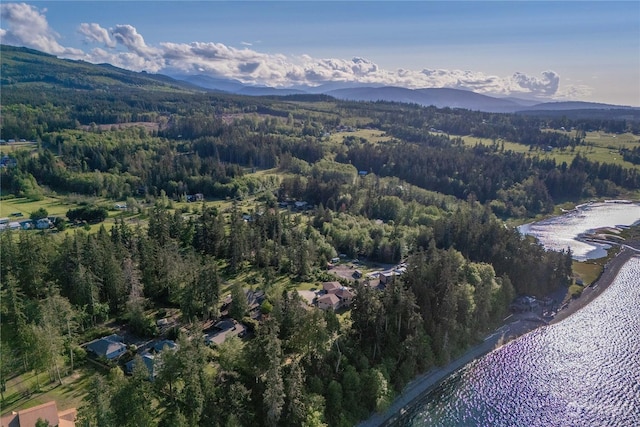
54 206
599 146
372 135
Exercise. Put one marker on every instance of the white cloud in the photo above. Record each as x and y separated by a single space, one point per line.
28 26
129 37
546 86
95 33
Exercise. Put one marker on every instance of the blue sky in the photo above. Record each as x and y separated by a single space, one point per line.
550 50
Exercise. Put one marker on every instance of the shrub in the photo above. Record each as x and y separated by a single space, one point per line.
88 213
39 214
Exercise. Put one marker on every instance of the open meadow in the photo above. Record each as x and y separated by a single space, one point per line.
599 146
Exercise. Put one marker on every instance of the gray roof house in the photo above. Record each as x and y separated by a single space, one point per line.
149 361
109 347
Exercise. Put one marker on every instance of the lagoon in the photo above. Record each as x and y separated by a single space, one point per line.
564 231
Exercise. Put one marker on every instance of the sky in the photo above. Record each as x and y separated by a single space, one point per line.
573 50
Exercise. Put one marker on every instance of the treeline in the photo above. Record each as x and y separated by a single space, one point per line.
631 155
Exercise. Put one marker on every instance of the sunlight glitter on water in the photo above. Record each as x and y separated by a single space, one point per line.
583 371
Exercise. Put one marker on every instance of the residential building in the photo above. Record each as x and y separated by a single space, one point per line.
110 347
47 412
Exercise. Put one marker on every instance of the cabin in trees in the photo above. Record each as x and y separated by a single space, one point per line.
150 358
223 330
47 412
149 361
110 347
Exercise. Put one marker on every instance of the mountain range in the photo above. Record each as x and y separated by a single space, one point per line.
23 67
438 97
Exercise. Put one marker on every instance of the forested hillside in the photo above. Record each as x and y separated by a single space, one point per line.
206 187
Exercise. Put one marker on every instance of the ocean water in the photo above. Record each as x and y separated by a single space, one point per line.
564 231
583 371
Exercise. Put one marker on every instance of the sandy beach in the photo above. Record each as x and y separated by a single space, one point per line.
511 330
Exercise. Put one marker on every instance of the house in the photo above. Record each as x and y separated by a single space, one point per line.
223 330
328 302
8 162
331 287
110 347
198 197
345 296
43 224
386 277
47 412
164 345
26 224
254 301
149 361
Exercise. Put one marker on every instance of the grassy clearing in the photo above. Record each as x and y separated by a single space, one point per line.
22 390
612 141
600 147
54 206
588 271
372 135
18 146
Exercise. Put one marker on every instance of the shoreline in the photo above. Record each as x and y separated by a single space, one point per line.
591 292
419 386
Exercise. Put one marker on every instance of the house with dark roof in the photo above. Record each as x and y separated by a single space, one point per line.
150 362
158 346
151 358
110 347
